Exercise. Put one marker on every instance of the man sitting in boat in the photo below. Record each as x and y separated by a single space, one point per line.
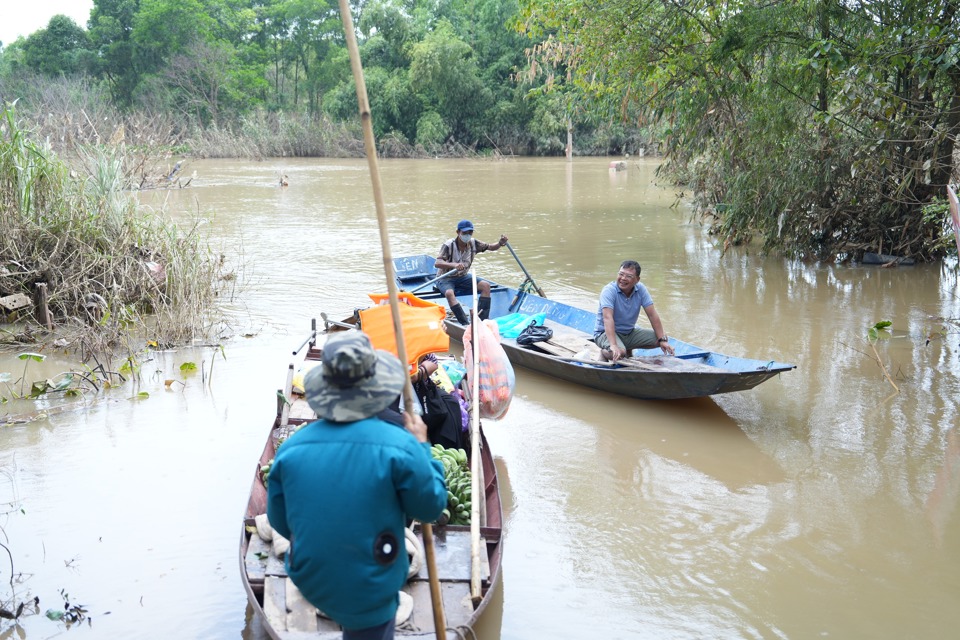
616 331
457 255
342 488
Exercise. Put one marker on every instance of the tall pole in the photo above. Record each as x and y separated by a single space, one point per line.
408 397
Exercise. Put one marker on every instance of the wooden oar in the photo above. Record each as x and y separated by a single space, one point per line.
429 282
327 323
369 144
526 273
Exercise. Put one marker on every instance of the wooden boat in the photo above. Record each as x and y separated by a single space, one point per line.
571 355
287 616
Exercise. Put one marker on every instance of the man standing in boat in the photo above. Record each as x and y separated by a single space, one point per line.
457 255
616 331
341 488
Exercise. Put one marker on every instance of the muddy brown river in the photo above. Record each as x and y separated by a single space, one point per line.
822 504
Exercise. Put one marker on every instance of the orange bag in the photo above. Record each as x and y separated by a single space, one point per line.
495 371
422 324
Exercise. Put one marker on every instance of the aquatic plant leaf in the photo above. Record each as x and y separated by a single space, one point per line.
880 329
64 382
188 366
39 387
36 357
54 615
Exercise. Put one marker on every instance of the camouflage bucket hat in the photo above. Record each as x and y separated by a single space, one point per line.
355 381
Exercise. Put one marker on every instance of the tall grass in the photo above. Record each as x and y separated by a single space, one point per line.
112 267
277 135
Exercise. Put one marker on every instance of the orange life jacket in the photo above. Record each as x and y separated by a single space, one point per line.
422 324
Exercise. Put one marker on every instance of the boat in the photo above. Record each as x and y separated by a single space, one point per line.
286 615
571 354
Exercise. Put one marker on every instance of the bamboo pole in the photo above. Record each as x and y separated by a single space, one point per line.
477 491
371 150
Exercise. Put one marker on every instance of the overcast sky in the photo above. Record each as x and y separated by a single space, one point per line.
23 17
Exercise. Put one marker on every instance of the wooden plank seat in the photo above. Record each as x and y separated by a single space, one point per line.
300 410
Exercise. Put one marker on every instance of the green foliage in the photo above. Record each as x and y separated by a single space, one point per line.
445 73
431 130
110 28
61 48
880 329
825 141
215 66
936 215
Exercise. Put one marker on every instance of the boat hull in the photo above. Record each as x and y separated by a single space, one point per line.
286 618
694 372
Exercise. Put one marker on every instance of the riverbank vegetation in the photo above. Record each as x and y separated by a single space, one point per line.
98 268
220 78
823 129
819 129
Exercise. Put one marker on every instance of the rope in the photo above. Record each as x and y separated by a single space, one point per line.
463 631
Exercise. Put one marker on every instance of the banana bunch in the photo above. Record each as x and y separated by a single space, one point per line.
459 482
265 471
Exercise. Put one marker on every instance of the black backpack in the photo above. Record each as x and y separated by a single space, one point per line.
533 333
441 413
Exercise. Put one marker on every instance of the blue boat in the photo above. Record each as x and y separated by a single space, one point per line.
571 354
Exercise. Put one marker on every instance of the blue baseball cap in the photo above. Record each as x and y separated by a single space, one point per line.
464 225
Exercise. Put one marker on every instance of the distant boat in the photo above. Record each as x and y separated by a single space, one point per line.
571 354
885 259
286 615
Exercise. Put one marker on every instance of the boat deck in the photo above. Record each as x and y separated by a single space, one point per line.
288 613
571 344
289 616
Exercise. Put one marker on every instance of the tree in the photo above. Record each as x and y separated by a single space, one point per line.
110 30
62 48
823 127
445 74
200 76
165 28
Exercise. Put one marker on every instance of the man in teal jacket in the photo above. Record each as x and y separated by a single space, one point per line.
342 488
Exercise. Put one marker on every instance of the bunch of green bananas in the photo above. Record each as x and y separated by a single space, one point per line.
265 471
459 485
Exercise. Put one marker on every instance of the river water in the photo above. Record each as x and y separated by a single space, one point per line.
821 504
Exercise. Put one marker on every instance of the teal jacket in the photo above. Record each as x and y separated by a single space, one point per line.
338 492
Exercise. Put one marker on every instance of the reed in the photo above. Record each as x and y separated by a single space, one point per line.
114 269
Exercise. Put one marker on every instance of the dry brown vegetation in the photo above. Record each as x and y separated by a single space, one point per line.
111 268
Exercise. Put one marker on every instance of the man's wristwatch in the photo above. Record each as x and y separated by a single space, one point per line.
662 339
